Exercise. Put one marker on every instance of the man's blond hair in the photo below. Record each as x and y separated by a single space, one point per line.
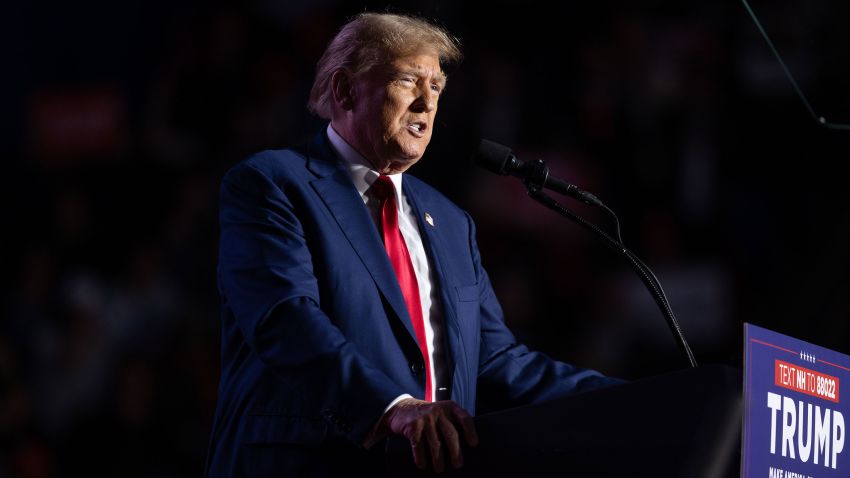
372 39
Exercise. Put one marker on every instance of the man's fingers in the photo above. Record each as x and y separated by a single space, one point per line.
433 428
434 445
414 435
450 436
419 459
468 426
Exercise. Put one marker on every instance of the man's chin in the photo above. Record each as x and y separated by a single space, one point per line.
400 165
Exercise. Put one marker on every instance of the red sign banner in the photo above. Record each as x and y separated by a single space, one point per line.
803 380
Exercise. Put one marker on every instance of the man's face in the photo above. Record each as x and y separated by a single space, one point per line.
393 111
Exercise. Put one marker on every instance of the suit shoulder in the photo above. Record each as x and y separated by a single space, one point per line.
272 163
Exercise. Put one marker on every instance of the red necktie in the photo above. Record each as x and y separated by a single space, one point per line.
400 258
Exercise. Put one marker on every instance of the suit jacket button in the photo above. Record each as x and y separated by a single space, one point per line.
417 367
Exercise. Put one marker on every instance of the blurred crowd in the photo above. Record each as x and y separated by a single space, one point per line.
121 120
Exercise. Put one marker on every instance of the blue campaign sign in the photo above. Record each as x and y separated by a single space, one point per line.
795 404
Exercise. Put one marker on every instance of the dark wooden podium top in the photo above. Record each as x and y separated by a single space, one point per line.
685 423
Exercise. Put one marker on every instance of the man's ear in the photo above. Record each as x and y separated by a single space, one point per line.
343 89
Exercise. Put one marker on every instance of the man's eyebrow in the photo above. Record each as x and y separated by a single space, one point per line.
440 76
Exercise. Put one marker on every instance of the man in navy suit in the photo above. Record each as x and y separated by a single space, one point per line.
354 303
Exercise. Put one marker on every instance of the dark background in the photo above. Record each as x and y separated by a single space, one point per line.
119 118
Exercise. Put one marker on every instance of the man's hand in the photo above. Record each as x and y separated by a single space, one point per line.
433 426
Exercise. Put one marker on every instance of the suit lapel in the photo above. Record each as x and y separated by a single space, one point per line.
340 196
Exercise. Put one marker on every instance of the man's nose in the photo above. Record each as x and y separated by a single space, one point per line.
426 102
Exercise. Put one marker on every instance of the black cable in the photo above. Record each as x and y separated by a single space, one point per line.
616 223
818 118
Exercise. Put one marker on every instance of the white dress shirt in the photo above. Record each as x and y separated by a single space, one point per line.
363 175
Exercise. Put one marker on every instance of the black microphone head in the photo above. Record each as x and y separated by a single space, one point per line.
494 157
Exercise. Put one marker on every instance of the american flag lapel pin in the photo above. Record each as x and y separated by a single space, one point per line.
429 219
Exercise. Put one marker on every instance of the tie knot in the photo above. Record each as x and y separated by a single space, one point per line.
383 187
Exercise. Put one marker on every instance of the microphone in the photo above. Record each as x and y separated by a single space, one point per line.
501 159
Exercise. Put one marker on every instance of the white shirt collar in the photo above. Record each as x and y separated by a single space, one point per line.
361 171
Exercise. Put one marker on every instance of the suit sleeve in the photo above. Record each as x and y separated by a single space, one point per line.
509 373
266 279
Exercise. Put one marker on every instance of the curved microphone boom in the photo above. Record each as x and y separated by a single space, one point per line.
535 175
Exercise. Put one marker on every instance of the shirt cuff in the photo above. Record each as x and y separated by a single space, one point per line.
397 399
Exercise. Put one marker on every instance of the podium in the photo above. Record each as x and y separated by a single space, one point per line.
685 423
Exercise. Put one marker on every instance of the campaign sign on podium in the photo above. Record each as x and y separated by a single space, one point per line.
796 399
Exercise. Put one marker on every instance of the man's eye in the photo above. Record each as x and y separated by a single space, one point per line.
436 88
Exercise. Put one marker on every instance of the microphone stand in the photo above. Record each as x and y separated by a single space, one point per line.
534 184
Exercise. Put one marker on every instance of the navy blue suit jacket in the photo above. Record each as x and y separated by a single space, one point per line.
316 338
